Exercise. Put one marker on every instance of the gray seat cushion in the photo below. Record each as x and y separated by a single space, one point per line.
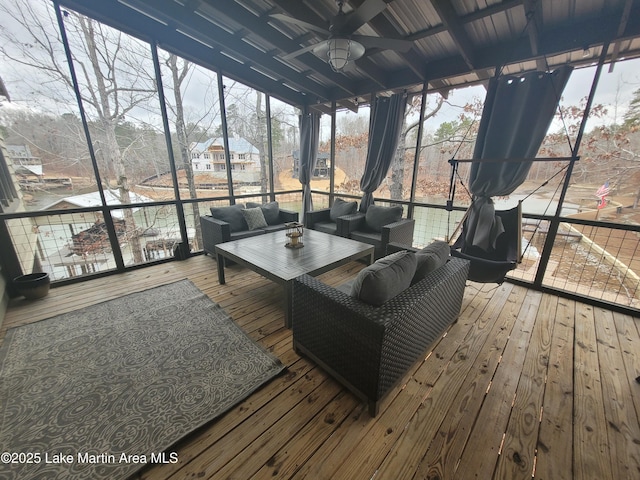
372 238
377 217
232 215
326 227
430 258
384 279
341 208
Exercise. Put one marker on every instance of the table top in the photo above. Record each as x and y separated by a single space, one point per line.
268 255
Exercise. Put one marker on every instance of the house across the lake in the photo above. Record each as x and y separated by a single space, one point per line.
321 170
30 172
210 157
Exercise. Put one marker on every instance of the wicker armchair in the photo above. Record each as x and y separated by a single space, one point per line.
321 221
327 220
359 227
369 349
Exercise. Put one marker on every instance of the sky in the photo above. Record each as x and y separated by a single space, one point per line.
615 90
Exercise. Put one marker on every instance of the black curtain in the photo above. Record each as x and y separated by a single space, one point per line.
516 116
309 135
385 126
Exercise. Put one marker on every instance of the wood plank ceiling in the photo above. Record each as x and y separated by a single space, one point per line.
453 42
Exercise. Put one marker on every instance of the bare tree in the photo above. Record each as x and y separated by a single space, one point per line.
398 163
112 81
247 117
261 137
180 69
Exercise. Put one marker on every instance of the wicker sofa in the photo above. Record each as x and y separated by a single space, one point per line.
370 348
228 223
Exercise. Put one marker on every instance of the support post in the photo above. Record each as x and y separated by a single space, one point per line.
555 221
416 156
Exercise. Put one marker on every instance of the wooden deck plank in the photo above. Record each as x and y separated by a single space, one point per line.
628 333
554 447
262 450
518 454
441 422
300 447
449 388
339 449
444 452
484 445
591 453
622 425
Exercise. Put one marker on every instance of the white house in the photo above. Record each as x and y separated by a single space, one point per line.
210 157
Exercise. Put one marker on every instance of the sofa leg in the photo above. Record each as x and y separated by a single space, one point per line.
374 408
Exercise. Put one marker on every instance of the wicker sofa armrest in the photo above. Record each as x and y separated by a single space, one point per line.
338 332
350 223
393 247
369 349
287 216
313 216
400 232
214 231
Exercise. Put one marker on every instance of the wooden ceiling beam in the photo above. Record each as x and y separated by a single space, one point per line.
384 28
456 30
624 18
231 44
533 13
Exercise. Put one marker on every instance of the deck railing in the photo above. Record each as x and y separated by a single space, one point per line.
591 259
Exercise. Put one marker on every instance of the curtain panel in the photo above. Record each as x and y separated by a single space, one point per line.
385 126
517 113
309 137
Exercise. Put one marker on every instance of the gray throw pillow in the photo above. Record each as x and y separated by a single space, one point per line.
232 215
271 211
430 258
254 218
377 217
341 208
384 279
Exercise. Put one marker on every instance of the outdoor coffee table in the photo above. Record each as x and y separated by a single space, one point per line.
267 255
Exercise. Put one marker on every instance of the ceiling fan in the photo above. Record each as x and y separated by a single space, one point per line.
341 45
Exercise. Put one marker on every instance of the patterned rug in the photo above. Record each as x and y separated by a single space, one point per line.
102 391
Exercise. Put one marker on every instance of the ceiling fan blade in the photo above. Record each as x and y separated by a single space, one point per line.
300 23
365 12
291 55
384 43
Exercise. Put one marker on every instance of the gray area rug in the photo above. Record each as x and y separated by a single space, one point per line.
128 376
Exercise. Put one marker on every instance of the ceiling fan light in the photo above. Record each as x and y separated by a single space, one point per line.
341 50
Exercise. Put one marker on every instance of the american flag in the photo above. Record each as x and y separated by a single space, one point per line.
604 190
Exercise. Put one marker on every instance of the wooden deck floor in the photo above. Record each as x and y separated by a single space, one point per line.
524 384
